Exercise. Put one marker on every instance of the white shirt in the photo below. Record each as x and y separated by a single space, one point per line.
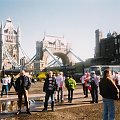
82 79
60 80
96 79
5 81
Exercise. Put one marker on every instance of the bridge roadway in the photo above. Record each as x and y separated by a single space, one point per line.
36 101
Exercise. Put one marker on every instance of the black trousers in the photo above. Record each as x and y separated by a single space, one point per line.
86 91
94 93
83 85
49 94
70 94
60 94
20 94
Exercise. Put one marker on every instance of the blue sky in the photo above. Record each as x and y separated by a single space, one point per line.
77 20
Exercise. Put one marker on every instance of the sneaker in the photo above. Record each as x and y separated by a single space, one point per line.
19 112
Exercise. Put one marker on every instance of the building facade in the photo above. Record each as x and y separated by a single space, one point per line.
98 37
109 50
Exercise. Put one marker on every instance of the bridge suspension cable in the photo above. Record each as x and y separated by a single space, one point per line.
23 52
31 60
76 56
52 62
13 62
53 56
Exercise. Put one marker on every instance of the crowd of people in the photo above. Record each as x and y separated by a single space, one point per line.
108 87
53 87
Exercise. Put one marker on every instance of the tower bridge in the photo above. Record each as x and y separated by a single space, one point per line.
50 47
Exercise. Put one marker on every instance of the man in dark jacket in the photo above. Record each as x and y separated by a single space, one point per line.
49 88
22 85
109 92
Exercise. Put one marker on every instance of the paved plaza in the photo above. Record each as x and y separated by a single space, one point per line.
37 100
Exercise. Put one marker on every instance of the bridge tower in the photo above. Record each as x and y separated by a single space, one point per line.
52 46
9 45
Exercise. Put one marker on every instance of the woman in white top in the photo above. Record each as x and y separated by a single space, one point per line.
5 82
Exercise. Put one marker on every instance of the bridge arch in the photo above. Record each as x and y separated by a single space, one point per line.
62 56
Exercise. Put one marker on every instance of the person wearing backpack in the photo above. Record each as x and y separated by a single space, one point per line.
94 82
70 84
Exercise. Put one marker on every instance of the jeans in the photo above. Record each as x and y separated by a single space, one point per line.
109 109
4 87
60 94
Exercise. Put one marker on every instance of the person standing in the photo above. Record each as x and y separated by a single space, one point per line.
87 83
5 82
49 88
60 84
94 82
70 84
117 81
82 79
109 93
12 82
22 85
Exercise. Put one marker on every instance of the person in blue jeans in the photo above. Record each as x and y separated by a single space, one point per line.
4 82
49 88
109 93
